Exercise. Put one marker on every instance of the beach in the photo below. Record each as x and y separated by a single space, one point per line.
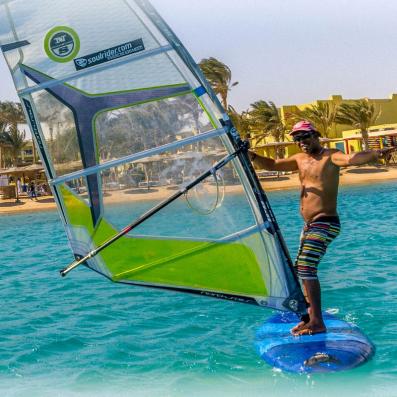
348 176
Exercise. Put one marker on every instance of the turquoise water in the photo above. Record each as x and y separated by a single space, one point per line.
84 336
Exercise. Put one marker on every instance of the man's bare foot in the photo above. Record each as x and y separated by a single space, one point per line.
310 329
304 320
298 327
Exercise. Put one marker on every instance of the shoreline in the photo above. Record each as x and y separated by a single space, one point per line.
349 176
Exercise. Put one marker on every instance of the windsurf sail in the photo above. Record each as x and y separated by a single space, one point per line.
123 118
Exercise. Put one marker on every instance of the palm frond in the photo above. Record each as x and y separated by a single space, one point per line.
359 114
15 139
266 119
219 77
241 121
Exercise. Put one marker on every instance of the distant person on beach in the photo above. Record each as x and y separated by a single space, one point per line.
318 169
19 186
32 191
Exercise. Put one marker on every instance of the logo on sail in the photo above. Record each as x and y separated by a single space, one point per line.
81 62
109 54
61 44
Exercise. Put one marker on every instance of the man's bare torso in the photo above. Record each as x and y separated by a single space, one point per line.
319 184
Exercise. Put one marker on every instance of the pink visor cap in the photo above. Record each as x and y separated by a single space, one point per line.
303 126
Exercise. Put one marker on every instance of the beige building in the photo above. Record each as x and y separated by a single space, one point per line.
387 107
342 136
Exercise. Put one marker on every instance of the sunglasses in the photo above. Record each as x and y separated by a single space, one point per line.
302 137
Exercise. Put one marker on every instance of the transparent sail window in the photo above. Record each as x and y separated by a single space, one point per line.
79 188
60 135
130 130
207 211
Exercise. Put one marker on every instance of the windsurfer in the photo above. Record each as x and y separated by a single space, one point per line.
318 169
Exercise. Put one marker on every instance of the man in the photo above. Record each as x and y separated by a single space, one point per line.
32 191
319 177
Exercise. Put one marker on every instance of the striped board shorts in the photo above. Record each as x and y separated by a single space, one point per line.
315 238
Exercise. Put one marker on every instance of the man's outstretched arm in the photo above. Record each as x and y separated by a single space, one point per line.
344 160
267 163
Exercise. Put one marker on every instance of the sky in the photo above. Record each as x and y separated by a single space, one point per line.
286 51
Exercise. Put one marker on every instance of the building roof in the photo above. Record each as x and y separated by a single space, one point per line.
372 134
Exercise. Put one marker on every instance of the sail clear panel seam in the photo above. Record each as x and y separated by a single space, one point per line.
227 239
137 156
95 69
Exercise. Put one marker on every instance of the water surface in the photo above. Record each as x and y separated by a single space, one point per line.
85 336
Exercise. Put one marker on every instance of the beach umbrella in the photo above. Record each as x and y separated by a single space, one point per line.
12 171
33 168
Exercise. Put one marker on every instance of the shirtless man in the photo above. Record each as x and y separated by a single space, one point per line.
319 177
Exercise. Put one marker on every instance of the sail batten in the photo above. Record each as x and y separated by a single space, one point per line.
137 156
123 118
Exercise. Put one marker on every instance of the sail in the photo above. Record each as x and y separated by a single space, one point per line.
122 117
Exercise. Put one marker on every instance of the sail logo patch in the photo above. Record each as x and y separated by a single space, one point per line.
122 50
81 62
61 44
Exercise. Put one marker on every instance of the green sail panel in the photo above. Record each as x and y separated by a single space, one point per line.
185 263
122 118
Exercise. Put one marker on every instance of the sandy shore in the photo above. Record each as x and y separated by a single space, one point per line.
349 176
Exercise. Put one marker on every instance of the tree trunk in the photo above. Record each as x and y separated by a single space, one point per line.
34 152
280 152
364 134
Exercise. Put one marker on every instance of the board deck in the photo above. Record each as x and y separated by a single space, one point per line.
342 347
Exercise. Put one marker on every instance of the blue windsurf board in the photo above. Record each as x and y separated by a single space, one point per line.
342 347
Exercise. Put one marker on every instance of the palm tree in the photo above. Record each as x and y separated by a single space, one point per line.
219 76
322 116
359 114
266 118
2 128
15 140
2 148
241 121
3 123
11 115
